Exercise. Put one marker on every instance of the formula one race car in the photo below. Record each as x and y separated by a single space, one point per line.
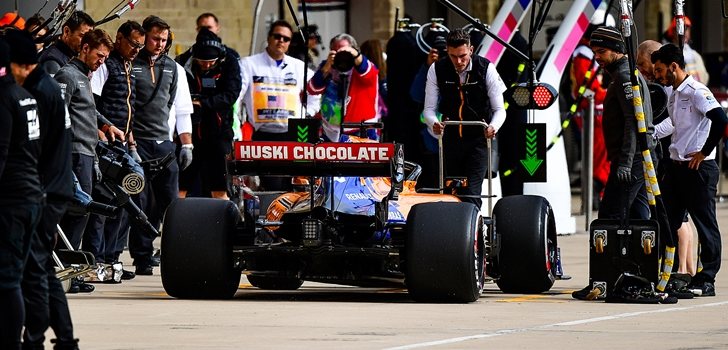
358 221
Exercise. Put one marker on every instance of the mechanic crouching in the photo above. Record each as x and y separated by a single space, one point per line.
214 80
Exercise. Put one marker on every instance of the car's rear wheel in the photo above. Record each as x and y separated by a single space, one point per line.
526 237
444 252
197 254
275 282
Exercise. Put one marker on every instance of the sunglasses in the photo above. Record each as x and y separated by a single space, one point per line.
281 37
134 44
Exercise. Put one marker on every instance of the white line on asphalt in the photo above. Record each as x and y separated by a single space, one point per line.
560 324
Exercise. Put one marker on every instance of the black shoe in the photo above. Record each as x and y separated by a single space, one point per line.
706 289
678 286
154 261
29 346
127 275
80 287
144 270
586 293
65 344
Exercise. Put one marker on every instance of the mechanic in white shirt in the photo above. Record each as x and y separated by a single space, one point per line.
465 87
696 124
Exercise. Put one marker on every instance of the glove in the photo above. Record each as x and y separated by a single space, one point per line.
134 154
624 174
97 171
185 156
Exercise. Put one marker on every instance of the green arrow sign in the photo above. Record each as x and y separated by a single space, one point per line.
303 130
531 163
302 133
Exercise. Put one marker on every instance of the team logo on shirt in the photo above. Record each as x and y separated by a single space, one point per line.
289 79
627 90
32 118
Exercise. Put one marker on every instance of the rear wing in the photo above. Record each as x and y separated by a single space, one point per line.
322 159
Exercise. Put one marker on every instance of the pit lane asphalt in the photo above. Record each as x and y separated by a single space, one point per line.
137 314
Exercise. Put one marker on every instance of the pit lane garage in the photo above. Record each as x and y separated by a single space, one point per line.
356 220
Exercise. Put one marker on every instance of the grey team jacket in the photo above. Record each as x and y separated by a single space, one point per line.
85 119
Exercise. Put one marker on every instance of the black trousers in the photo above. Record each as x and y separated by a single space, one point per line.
694 191
17 228
153 201
467 157
622 200
45 300
74 226
107 233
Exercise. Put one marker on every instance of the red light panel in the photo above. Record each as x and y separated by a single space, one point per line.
542 96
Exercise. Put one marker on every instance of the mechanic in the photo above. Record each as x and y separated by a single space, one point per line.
354 82
214 82
625 195
457 87
113 85
156 87
210 21
68 45
21 195
696 123
662 155
86 121
32 24
42 291
625 183
272 85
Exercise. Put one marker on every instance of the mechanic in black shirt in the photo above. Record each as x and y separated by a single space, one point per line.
624 193
20 195
214 81
68 44
42 291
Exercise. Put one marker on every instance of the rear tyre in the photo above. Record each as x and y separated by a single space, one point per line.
444 252
526 238
275 283
197 249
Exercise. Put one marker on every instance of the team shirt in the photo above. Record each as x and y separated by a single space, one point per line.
688 125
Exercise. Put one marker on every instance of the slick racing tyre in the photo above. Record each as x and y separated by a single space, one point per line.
444 252
526 244
197 249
